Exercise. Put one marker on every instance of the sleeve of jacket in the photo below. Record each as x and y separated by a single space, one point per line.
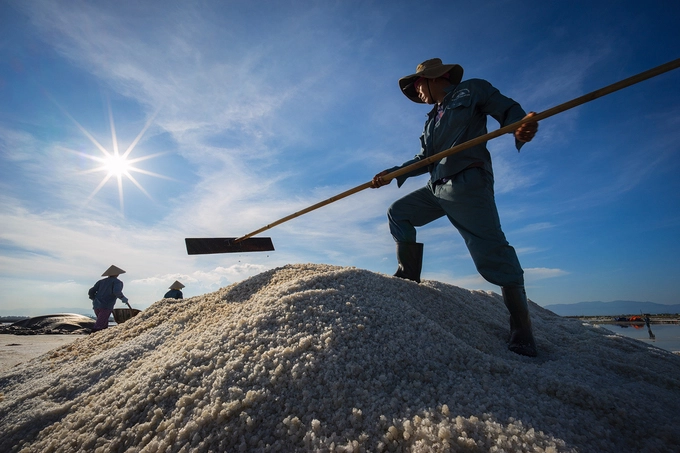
417 172
92 293
118 291
502 108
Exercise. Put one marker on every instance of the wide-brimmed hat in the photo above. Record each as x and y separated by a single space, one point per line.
113 270
176 285
430 69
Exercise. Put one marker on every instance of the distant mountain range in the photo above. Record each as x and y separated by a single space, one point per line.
615 308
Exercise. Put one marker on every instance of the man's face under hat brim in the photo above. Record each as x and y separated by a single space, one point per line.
406 84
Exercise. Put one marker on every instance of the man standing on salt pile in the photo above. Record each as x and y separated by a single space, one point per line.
175 291
461 185
104 294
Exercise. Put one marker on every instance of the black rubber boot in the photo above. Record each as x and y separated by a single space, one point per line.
521 337
410 258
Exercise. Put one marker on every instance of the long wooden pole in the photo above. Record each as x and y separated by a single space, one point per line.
481 139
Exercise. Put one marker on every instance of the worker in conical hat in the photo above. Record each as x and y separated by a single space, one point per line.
104 294
175 292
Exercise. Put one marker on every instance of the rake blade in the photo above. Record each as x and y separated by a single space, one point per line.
202 246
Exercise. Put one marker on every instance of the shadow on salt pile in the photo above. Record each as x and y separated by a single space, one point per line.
63 323
325 358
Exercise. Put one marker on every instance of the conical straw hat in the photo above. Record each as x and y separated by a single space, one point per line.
176 285
113 270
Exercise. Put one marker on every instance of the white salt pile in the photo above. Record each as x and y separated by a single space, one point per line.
325 358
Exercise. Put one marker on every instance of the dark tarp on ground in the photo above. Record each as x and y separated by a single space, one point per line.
63 323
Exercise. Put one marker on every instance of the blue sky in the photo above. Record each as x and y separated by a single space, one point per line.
238 113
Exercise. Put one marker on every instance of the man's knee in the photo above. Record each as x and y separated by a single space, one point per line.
394 210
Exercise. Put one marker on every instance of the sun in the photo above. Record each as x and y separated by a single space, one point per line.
115 165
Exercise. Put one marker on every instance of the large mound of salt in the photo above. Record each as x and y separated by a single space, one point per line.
325 358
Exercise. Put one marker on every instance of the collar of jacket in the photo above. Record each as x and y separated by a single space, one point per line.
449 89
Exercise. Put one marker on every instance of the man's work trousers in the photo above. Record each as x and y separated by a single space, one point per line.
467 199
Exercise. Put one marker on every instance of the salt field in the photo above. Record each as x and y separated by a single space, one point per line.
664 336
338 359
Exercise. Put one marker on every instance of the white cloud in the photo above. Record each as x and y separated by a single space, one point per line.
534 227
541 273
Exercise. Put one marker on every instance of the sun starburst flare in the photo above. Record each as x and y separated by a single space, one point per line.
115 164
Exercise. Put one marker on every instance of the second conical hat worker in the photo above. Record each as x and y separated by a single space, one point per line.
175 291
104 294
460 187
